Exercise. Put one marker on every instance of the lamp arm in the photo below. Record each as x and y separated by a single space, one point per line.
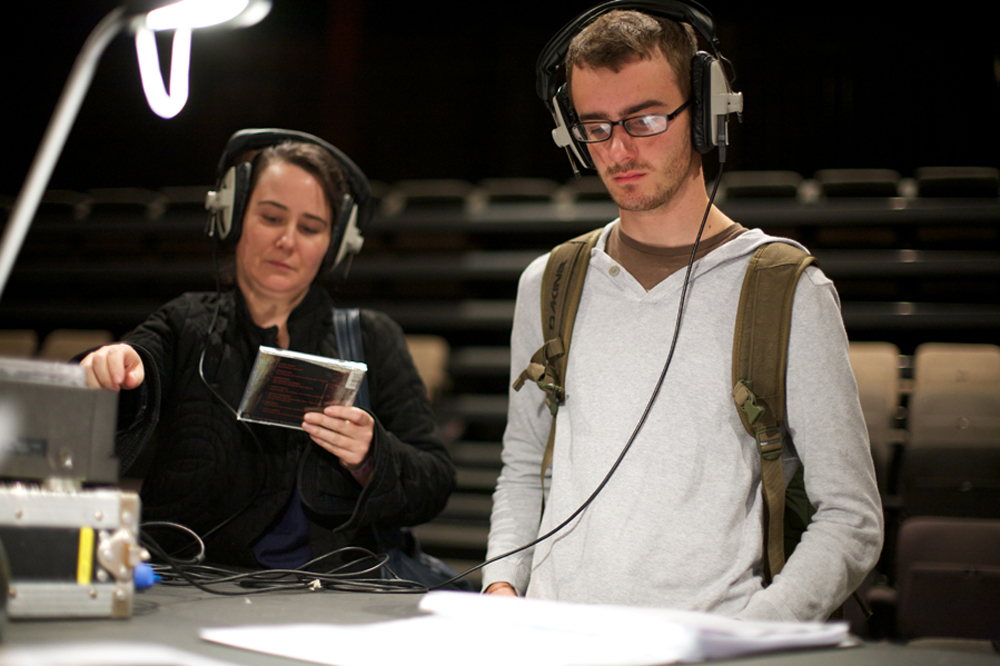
54 139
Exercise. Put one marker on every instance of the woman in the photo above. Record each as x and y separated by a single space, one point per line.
265 496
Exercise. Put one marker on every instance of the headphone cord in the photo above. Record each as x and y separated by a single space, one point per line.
201 374
357 572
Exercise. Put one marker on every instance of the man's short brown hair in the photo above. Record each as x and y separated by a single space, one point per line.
620 36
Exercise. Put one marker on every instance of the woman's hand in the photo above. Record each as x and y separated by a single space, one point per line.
114 367
346 432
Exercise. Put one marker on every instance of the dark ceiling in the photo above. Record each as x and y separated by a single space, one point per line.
447 90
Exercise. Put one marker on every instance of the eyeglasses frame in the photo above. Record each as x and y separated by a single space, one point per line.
669 116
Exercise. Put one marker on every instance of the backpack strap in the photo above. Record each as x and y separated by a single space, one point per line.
760 358
347 328
562 285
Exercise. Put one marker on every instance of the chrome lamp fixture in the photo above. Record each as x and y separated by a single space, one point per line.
142 18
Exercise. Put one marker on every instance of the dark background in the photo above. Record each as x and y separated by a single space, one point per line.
431 90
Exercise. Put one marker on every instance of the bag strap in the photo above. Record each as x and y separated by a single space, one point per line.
760 358
562 285
347 328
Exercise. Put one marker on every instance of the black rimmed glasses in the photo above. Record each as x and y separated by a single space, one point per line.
651 124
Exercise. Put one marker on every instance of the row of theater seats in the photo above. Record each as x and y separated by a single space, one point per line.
926 182
58 345
935 434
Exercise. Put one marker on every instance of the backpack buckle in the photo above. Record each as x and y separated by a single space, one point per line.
770 442
747 401
554 395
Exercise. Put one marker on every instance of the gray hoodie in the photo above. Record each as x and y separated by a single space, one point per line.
680 523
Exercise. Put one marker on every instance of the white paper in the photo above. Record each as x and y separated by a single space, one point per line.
102 654
464 628
715 636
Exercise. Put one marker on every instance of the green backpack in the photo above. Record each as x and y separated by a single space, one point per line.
760 351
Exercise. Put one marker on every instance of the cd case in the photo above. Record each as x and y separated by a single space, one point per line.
285 385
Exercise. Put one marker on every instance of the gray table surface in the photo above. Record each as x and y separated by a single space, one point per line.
172 616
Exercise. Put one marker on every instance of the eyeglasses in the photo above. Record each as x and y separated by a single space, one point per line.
640 126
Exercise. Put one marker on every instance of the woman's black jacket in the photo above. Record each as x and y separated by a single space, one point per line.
229 480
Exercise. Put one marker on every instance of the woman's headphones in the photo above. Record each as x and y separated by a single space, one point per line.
712 98
227 202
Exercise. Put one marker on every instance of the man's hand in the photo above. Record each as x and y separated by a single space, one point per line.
502 589
114 367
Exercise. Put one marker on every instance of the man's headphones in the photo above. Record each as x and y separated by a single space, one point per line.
712 98
227 203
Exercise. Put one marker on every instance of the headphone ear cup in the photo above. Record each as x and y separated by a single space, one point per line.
346 241
701 102
241 197
569 118
566 105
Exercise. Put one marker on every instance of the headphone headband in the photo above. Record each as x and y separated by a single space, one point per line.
550 61
259 138
712 97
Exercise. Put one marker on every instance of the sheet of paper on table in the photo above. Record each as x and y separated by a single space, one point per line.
462 628
102 654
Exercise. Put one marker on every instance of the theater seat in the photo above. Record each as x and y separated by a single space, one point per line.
948 579
18 343
951 465
858 182
759 185
949 364
955 181
430 356
64 344
876 370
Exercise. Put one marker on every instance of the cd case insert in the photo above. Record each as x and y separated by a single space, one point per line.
285 385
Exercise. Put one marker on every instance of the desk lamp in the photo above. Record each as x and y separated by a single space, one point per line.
142 18
46 531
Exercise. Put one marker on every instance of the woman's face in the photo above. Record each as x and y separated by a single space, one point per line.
286 232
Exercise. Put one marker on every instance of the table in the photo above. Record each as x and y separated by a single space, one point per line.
171 616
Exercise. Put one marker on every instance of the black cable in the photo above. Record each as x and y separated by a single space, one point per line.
211 328
353 575
235 413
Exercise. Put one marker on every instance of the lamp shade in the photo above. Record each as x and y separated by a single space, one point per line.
194 14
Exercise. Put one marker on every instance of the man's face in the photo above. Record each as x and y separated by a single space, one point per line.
641 173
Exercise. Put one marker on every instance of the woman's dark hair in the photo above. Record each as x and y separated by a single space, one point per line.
312 159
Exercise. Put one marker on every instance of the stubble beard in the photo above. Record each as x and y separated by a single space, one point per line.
631 197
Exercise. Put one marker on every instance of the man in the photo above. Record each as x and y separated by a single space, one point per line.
679 524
